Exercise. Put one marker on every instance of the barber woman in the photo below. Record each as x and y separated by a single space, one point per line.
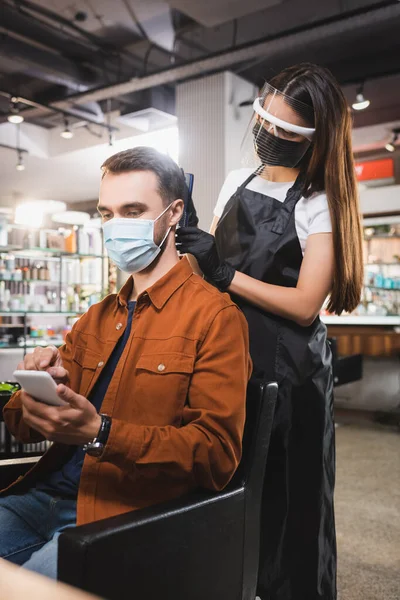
286 237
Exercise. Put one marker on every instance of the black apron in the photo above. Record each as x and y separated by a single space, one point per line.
257 235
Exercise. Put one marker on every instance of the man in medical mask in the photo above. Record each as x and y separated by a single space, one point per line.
155 379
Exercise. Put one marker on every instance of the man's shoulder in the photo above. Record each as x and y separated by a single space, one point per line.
209 310
205 296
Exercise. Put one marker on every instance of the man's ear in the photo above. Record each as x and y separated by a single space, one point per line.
177 212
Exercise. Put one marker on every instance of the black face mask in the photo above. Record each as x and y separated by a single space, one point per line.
275 151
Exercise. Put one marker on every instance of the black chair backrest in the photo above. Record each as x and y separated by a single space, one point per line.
260 406
203 545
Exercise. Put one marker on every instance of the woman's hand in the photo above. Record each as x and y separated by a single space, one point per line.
201 245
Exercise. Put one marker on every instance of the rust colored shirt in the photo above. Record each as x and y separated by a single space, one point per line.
177 396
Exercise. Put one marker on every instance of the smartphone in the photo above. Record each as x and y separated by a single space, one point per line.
40 385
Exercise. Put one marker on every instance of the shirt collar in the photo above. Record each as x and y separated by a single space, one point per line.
161 291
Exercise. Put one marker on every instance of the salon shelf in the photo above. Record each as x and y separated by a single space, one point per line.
43 281
393 320
381 289
47 282
391 264
11 347
54 252
83 284
27 346
5 249
39 312
382 237
97 283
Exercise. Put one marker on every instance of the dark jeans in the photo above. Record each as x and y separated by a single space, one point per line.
30 525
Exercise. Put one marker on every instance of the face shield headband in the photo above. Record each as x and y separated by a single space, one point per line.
278 134
275 122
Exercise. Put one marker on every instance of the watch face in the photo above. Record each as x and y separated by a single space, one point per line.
94 449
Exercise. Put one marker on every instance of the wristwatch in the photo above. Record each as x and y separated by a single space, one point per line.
96 446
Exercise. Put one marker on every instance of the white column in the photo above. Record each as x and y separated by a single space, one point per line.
211 128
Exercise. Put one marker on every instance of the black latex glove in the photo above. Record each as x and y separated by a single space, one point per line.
191 240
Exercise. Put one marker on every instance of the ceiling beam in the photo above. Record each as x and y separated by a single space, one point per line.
269 47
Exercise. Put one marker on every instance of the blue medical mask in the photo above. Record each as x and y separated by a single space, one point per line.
130 242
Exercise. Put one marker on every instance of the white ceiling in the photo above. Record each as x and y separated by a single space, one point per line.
71 176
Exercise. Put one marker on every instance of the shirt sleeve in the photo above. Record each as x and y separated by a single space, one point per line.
231 183
318 215
13 409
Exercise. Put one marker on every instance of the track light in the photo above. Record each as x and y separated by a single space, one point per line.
361 103
110 137
67 134
20 162
14 116
391 145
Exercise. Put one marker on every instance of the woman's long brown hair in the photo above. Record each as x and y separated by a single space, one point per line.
329 166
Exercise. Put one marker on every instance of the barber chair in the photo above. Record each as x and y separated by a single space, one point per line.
345 368
204 546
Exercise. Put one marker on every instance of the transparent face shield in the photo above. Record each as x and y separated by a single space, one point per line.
280 132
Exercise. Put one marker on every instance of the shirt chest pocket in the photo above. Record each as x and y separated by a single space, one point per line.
86 363
161 386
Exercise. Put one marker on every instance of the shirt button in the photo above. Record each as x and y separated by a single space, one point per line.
100 364
161 367
118 326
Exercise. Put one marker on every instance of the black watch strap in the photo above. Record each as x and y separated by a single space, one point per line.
104 430
96 446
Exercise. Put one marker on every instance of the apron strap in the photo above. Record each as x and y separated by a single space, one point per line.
292 197
246 182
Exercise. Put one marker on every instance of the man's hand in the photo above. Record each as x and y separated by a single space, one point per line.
75 424
45 359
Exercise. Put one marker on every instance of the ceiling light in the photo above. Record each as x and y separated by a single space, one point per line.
32 212
71 217
391 145
14 116
28 214
20 162
248 102
67 134
361 103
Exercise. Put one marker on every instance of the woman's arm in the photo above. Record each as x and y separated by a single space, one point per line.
302 303
214 224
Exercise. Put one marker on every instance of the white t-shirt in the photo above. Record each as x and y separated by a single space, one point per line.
311 214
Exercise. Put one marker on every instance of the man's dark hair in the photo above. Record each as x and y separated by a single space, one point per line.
171 182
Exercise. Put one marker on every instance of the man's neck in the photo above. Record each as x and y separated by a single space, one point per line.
164 263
